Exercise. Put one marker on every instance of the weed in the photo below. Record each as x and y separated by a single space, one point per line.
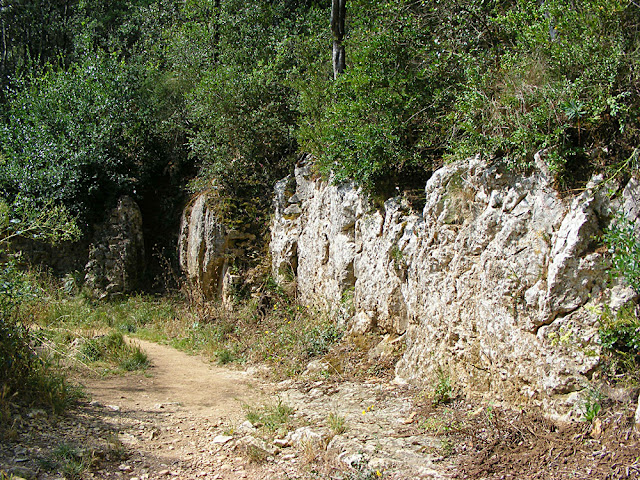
439 425
71 462
273 418
320 338
592 405
447 448
442 391
336 423
620 340
363 472
116 449
225 356
135 359
113 349
488 413
397 256
564 337
623 243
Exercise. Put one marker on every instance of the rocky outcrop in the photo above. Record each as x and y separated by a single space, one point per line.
207 248
491 283
116 255
202 245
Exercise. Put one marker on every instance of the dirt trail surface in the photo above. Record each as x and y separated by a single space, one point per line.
184 419
180 383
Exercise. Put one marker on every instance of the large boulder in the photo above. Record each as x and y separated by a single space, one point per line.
207 249
202 247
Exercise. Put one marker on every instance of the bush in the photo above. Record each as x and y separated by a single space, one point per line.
560 82
74 137
25 375
435 80
620 341
377 124
622 240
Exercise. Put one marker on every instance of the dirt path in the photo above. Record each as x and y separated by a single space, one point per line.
174 421
185 419
180 383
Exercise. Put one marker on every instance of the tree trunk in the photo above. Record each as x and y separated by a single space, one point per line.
338 13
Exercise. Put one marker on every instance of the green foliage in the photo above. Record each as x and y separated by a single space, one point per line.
622 240
431 80
23 372
377 121
442 391
619 335
113 348
592 405
337 423
239 88
240 107
70 460
50 224
560 81
320 338
272 417
74 136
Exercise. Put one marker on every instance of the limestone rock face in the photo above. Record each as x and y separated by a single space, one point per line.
116 255
313 237
202 246
207 248
491 283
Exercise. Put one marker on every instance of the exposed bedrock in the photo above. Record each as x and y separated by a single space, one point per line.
492 283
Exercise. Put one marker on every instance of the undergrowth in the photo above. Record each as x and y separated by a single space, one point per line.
27 375
270 329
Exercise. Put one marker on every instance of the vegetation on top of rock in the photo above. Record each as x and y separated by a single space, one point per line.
237 89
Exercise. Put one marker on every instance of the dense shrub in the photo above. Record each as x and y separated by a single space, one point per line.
25 375
74 137
427 81
565 80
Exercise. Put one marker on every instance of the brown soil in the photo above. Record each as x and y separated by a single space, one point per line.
494 443
184 419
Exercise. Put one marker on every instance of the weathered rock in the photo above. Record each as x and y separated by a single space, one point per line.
116 255
202 246
206 249
491 283
307 436
257 446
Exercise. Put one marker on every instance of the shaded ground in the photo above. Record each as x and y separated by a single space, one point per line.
187 419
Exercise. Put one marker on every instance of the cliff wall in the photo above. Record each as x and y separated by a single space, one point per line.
494 283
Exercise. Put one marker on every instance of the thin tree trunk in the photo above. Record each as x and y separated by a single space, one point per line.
216 35
3 64
338 14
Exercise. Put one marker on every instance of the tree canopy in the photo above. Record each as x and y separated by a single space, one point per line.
97 99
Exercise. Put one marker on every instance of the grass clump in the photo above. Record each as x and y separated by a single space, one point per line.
337 423
68 460
113 349
273 419
269 328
